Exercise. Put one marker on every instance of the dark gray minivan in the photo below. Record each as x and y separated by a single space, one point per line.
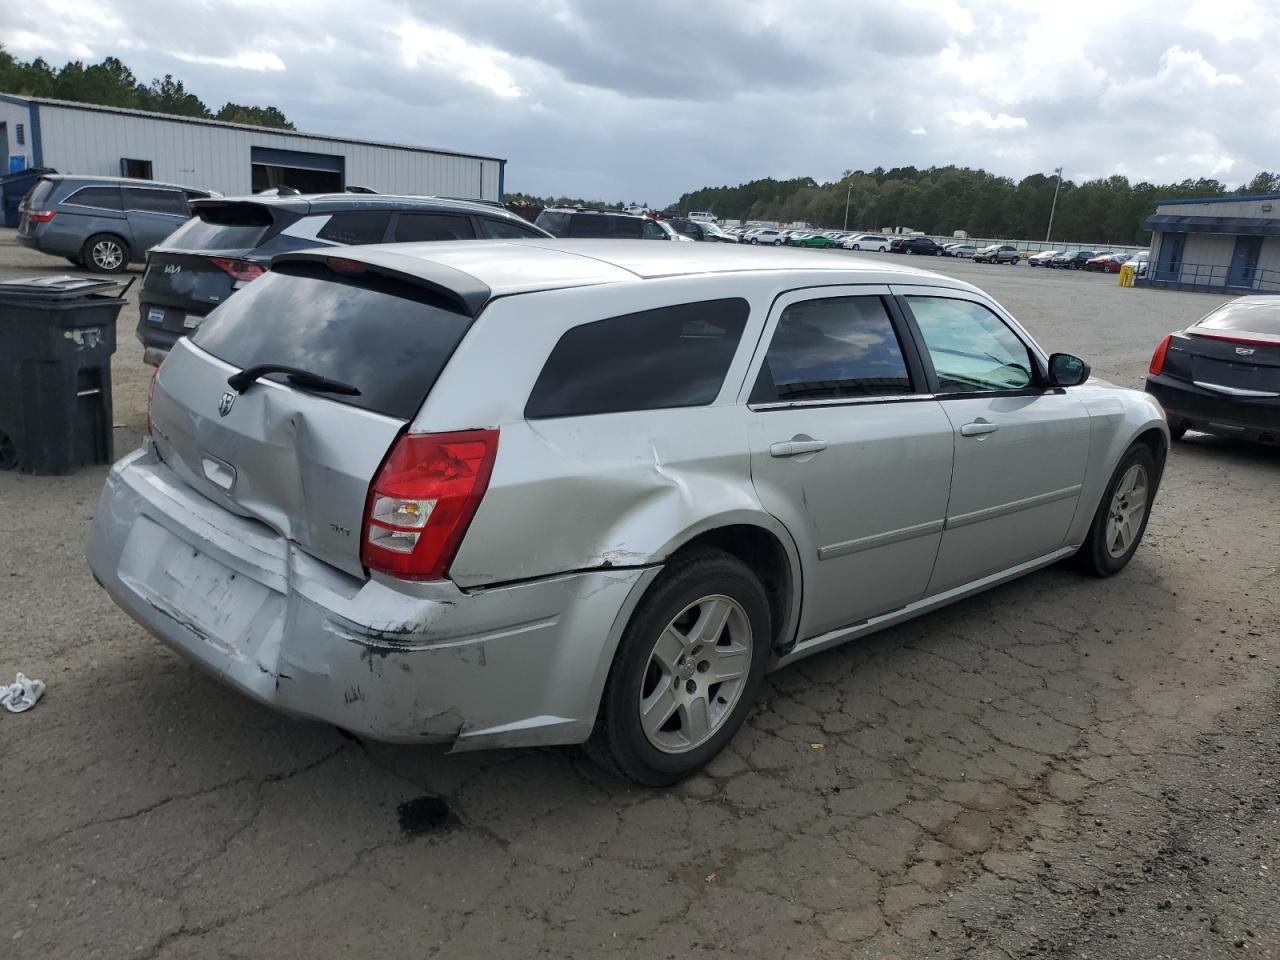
102 223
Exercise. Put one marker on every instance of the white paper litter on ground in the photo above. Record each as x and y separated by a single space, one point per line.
22 694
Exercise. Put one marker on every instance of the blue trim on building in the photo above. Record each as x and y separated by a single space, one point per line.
1226 198
37 148
1246 226
502 177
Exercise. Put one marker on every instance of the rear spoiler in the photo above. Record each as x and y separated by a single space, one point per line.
462 290
243 212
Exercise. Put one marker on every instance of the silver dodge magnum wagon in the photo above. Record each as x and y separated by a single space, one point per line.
550 492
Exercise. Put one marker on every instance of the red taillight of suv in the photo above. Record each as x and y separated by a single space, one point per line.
241 271
422 501
41 216
1157 358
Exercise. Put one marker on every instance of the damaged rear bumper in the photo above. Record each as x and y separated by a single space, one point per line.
516 665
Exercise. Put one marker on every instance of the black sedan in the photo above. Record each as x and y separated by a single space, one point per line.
918 245
1072 260
1221 375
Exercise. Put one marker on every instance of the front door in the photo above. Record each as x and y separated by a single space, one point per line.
1170 266
1021 446
1244 262
849 452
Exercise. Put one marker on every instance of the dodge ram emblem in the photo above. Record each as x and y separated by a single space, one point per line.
224 405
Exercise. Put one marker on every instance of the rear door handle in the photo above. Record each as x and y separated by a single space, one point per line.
979 428
796 448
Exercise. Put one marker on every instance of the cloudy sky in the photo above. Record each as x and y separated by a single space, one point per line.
642 101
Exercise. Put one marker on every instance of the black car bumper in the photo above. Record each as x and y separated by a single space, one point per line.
1195 408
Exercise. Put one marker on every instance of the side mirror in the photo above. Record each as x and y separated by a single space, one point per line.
1067 371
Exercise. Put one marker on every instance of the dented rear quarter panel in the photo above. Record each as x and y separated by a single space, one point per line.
604 491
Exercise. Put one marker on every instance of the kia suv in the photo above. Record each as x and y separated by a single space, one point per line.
230 242
504 494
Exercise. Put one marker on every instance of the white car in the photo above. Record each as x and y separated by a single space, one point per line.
867 241
768 235
1042 259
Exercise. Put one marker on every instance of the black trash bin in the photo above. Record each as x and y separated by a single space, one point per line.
57 335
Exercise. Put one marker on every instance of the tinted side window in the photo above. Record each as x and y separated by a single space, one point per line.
505 230
105 198
669 357
828 349
155 201
358 226
652 231
433 226
971 348
553 221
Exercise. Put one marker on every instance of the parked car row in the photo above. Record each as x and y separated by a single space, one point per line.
1090 260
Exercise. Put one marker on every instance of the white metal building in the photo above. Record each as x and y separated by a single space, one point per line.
231 158
1230 242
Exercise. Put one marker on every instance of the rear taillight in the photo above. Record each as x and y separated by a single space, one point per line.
41 216
241 271
151 392
422 501
1157 358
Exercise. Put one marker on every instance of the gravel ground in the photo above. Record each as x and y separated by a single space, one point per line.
1062 767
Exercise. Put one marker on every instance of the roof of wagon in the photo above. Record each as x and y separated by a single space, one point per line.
502 268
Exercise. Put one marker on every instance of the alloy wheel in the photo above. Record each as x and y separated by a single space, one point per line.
696 673
1128 507
107 254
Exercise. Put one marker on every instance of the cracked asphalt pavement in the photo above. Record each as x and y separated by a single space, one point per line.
1062 767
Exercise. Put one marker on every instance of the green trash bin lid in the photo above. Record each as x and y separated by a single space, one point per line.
65 287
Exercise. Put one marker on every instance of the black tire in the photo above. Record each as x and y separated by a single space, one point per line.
1093 556
1177 431
618 741
105 253
856 247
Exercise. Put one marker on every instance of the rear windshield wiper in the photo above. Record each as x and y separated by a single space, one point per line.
240 382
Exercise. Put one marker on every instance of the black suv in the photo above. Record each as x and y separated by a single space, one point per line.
602 225
231 241
922 245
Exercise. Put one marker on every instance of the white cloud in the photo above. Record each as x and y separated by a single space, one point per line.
476 64
984 119
260 60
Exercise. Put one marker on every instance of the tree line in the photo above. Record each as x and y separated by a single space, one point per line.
942 200
111 83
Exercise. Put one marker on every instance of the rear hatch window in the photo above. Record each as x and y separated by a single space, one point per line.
386 337
603 226
238 226
1247 315
38 195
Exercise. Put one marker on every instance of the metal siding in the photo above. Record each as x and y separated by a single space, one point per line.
1269 256
1208 249
12 114
217 158
1226 208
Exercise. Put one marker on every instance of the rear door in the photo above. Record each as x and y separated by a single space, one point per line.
300 461
1021 448
153 213
850 452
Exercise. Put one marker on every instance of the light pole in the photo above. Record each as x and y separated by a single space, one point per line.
1053 209
847 194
